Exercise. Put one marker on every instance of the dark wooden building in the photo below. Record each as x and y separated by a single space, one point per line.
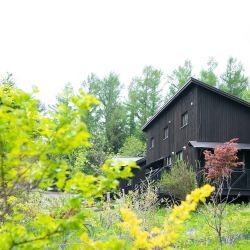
198 117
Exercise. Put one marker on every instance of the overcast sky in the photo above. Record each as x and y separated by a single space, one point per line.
49 43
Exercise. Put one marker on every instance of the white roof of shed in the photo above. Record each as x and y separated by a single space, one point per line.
125 160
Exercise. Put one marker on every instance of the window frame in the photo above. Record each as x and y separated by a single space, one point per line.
166 129
179 155
184 118
152 142
169 161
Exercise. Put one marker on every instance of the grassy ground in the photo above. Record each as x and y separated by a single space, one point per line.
197 234
236 230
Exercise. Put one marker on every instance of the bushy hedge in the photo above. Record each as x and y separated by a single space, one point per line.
179 181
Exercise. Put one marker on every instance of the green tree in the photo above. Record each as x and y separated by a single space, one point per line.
133 147
207 75
31 144
95 121
143 98
117 129
179 77
110 115
246 95
233 79
8 79
65 96
87 160
95 154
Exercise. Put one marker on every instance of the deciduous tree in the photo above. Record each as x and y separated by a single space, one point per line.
8 79
179 77
143 98
208 75
233 79
219 167
31 144
110 116
133 147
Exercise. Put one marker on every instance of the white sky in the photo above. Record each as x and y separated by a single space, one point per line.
48 43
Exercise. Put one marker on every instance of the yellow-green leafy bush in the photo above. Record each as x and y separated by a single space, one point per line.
178 181
31 144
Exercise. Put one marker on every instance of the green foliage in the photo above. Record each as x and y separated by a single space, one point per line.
109 117
235 229
233 79
81 158
7 79
96 155
207 75
117 130
179 181
143 99
133 147
39 149
31 148
179 77
197 234
246 95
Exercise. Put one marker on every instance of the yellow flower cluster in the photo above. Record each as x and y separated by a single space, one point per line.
182 212
161 238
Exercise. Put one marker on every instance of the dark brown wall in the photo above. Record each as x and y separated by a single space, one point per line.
221 119
211 118
178 137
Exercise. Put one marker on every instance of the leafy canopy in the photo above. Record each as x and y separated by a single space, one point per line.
233 79
133 147
179 77
31 145
144 98
208 75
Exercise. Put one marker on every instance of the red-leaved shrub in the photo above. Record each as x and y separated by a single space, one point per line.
220 163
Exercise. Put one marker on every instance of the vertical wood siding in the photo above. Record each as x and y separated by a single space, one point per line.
220 119
211 118
178 137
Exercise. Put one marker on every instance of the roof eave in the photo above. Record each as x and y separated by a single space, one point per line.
168 103
198 83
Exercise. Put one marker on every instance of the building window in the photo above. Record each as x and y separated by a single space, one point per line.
152 142
184 119
179 156
241 158
168 161
165 133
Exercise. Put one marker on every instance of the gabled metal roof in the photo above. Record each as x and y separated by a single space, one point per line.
126 160
193 81
197 144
